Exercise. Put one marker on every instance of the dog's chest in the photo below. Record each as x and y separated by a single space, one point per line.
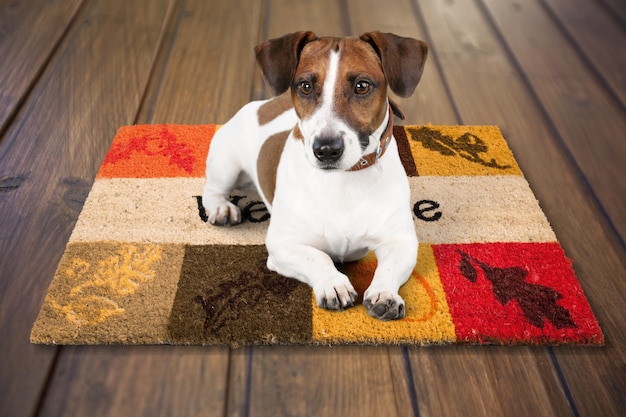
343 213
338 227
342 248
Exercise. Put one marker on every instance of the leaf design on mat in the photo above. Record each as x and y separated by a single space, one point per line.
91 309
467 269
97 289
467 146
163 143
122 274
227 302
537 302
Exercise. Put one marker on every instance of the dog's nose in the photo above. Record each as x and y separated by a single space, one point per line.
328 149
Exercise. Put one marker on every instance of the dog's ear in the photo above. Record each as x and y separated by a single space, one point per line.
402 60
395 109
279 57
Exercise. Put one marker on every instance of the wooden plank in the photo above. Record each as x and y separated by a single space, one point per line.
488 89
239 383
25 51
484 381
203 74
599 37
616 8
209 72
454 373
145 381
586 117
49 158
305 381
325 18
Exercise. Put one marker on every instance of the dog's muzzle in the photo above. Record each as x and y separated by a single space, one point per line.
328 150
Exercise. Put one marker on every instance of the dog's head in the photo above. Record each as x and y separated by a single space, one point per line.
339 88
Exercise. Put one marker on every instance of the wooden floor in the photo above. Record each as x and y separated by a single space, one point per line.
550 73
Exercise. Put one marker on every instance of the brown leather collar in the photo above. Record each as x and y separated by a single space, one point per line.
371 159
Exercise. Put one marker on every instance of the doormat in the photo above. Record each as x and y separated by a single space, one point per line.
143 266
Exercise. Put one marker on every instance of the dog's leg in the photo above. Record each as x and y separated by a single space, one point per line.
223 171
396 261
215 199
332 289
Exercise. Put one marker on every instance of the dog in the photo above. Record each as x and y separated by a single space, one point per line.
324 160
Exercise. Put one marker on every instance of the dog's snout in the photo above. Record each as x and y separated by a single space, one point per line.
328 149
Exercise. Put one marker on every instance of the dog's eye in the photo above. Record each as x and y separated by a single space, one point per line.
362 87
305 88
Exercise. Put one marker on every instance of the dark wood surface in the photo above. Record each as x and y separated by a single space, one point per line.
550 73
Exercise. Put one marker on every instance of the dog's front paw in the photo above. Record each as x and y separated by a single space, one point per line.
335 294
384 305
222 213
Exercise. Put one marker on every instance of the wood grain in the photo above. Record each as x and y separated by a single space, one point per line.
615 8
589 27
209 70
485 381
25 51
91 86
324 17
305 381
138 381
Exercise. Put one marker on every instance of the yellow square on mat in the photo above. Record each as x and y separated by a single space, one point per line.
460 150
427 320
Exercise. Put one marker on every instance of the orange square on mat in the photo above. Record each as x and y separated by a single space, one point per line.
427 320
460 150
158 151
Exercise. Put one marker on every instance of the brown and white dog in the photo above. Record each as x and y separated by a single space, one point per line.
325 163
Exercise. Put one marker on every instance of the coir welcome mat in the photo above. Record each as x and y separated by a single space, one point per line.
143 267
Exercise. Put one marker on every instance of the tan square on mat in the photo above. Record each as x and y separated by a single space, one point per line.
106 292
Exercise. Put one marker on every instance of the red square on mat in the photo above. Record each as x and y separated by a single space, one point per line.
515 292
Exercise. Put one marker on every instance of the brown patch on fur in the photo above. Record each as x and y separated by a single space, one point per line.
267 163
297 133
273 108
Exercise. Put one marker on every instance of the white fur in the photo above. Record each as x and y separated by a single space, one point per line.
321 216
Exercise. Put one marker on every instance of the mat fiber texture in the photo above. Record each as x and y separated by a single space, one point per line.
143 267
